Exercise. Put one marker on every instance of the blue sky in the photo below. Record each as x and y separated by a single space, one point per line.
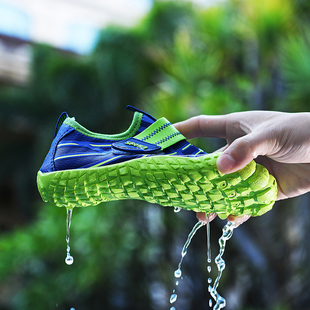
78 36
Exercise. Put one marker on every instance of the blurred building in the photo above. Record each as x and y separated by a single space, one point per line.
69 25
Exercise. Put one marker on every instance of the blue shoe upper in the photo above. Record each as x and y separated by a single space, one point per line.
75 147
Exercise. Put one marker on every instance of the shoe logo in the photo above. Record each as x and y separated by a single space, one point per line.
136 145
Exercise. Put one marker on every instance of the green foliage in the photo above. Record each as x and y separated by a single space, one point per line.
296 70
166 18
269 21
223 61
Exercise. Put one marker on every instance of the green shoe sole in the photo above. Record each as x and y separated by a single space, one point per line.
192 183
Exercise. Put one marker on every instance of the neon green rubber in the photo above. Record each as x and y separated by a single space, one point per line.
192 183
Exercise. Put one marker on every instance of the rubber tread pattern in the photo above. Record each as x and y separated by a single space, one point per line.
192 183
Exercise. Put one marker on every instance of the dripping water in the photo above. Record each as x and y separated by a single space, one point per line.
69 259
178 271
208 239
208 253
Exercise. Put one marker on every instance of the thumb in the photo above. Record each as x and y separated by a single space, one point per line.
242 150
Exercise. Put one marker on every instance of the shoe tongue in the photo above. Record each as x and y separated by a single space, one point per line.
147 117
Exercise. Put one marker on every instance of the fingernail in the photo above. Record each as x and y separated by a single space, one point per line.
225 162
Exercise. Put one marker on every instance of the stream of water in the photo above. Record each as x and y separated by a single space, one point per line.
178 272
69 259
220 302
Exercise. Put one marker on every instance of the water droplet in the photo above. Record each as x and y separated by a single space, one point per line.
209 280
177 283
209 269
177 209
69 260
178 273
210 303
172 308
173 298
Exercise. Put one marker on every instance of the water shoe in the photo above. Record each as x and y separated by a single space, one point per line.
150 161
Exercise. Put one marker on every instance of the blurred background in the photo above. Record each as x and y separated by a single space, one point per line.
174 59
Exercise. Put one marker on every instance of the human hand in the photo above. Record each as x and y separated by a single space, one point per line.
279 141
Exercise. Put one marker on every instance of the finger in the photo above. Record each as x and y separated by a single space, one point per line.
202 217
238 220
222 149
203 126
241 151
